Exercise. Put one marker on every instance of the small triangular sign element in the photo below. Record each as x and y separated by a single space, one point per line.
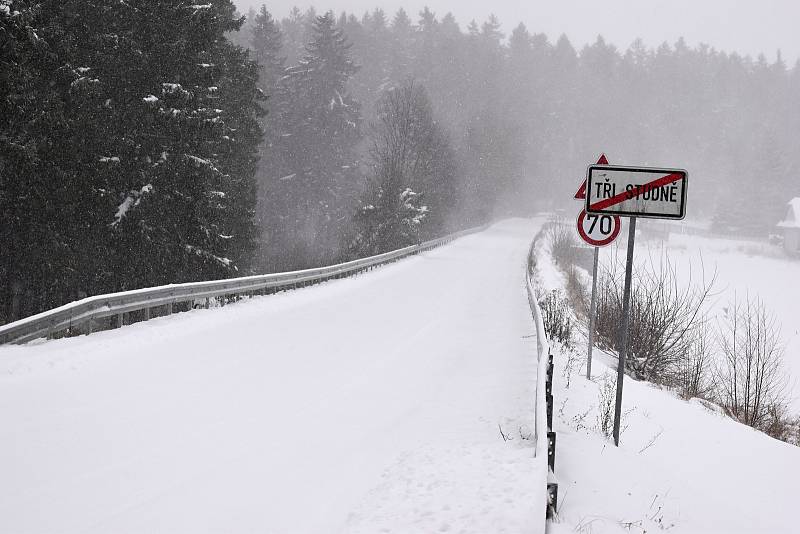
581 194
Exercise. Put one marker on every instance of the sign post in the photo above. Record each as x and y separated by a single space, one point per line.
609 228
633 192
623 337
592 313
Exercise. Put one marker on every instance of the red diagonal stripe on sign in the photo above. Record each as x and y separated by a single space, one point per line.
622 197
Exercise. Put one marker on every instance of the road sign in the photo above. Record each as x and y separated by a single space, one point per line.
581 194
636 191
598 230
589 226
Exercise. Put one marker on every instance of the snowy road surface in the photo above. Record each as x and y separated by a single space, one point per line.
362 405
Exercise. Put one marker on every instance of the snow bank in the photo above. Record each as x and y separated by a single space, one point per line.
742 268
681 467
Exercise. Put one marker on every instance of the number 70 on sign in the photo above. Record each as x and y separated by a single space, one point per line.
598 230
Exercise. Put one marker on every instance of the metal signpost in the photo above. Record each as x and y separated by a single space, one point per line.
598 231
633 192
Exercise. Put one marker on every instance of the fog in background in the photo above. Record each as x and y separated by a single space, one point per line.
747 27
309 164
182 142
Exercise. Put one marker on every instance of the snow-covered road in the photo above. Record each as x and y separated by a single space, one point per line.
363 405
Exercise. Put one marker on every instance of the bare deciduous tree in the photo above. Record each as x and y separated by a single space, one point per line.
412 163
751 382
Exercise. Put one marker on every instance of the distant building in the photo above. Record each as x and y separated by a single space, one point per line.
791 228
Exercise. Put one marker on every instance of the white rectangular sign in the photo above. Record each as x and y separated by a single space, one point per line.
636 191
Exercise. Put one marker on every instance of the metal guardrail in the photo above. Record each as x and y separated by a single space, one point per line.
85 312
545 438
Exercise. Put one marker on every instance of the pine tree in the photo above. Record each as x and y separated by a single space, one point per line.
491 30
274 197
28 102
187 198
295 32
378 23
266 41
427 20
401 24
323 130
450 27
57 183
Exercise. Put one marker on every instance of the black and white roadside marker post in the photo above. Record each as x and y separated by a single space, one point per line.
597 231
633 192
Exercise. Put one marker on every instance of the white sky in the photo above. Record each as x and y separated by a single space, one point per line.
744 26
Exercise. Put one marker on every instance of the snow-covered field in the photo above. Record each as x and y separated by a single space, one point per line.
681 467
363 405
742 268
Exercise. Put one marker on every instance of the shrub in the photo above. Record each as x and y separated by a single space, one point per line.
607 398
663 322
751 382
692 377
557 318
562 242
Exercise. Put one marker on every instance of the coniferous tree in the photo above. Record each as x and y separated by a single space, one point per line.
323 125
30 111
187 203
266 42
132 136
295 34
273 197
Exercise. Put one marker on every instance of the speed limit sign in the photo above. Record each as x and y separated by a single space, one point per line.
598 230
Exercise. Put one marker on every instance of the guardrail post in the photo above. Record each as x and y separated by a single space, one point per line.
169 308
551 450
120 320
552 499
147 314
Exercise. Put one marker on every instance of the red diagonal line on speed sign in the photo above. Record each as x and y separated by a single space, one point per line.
622 197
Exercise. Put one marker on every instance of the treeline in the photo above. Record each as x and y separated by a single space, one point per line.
155 142
331 185
527 114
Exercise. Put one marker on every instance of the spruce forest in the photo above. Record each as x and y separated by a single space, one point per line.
147 143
